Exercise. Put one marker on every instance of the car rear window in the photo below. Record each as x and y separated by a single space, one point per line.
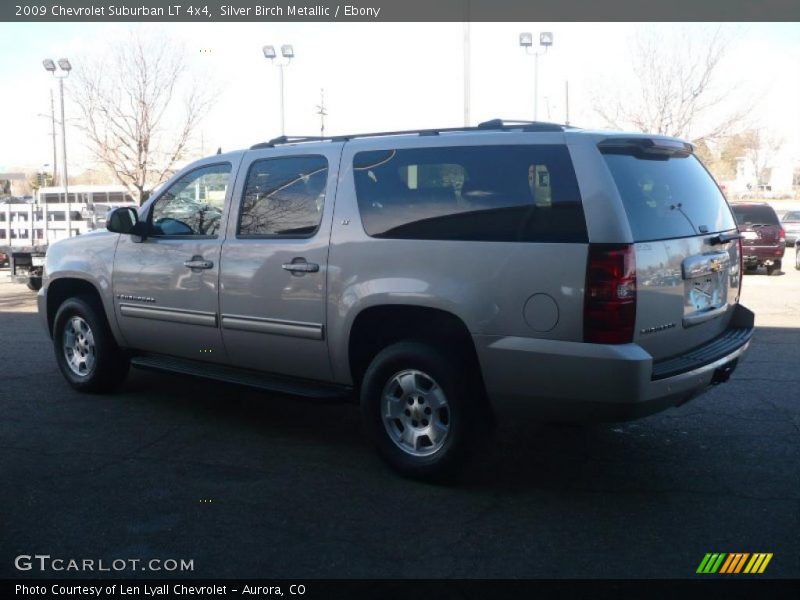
755 214
668 196
472 193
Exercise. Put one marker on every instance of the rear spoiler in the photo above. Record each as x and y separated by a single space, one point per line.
652 147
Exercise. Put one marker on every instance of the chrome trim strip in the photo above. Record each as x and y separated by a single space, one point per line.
705 264
311 331
174 315
703 316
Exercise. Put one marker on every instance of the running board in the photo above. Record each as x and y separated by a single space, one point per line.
312 390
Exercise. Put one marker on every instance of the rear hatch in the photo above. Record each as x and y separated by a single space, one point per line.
759 225
686 244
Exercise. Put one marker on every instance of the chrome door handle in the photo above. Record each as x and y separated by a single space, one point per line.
301 267
198 264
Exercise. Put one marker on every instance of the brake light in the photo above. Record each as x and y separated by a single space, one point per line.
782 234
741 267
609 313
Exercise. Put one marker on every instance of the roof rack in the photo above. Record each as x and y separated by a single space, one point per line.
493 125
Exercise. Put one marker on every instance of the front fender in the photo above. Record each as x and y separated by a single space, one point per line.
87 258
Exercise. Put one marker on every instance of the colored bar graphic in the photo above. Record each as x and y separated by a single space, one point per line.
765 563
711 563
728 563
741 562
733 563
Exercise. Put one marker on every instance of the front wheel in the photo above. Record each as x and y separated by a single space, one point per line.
419 409
34 284
86 352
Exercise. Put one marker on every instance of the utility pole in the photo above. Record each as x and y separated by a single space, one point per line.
64 154
321 112
53 133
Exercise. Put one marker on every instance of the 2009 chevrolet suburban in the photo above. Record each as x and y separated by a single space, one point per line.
439 276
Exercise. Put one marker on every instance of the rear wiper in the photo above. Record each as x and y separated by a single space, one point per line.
723 238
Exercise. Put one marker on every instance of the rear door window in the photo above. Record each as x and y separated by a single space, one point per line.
284 197
470 193
668 196
755 215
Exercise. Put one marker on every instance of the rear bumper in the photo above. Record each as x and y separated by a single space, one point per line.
761 253
594 382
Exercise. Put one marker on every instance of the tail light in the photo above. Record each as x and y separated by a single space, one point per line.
741 266
609 313
782 234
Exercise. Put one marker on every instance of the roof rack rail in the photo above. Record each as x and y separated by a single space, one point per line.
494 124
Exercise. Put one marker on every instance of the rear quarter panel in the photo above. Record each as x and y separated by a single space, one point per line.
485 284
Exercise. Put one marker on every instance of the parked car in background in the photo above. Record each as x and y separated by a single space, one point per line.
791 225
3 259
763 238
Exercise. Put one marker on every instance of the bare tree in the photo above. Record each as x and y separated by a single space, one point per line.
675 89
140 110
760 148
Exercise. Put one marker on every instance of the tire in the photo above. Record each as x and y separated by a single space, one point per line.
85 349
34 284
432 395
774 268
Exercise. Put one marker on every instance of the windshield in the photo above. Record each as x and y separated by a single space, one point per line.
792 216
668 197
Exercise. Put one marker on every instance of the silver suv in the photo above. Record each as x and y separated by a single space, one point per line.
438 277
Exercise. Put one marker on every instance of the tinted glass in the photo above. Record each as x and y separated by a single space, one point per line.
668 197
284 196
792 216
472 193
192 205
758 214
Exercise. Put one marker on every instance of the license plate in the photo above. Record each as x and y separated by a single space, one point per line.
750 235
37 261
707 291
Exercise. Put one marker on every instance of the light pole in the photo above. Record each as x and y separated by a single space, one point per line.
287 52
64 67
545 41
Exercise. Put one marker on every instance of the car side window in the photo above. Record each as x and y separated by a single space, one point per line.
519 193
192 205
284 197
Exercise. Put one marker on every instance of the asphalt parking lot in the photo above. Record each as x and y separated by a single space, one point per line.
247 485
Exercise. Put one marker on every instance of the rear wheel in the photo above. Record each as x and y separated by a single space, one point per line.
419 409
86 352
774 268
34 284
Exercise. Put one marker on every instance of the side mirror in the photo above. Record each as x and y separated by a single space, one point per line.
124 219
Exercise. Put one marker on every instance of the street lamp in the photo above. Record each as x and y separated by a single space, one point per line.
64 67
287 52
545 41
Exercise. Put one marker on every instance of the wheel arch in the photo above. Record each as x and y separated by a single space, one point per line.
63 288
378 326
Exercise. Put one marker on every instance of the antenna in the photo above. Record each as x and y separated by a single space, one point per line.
321 112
